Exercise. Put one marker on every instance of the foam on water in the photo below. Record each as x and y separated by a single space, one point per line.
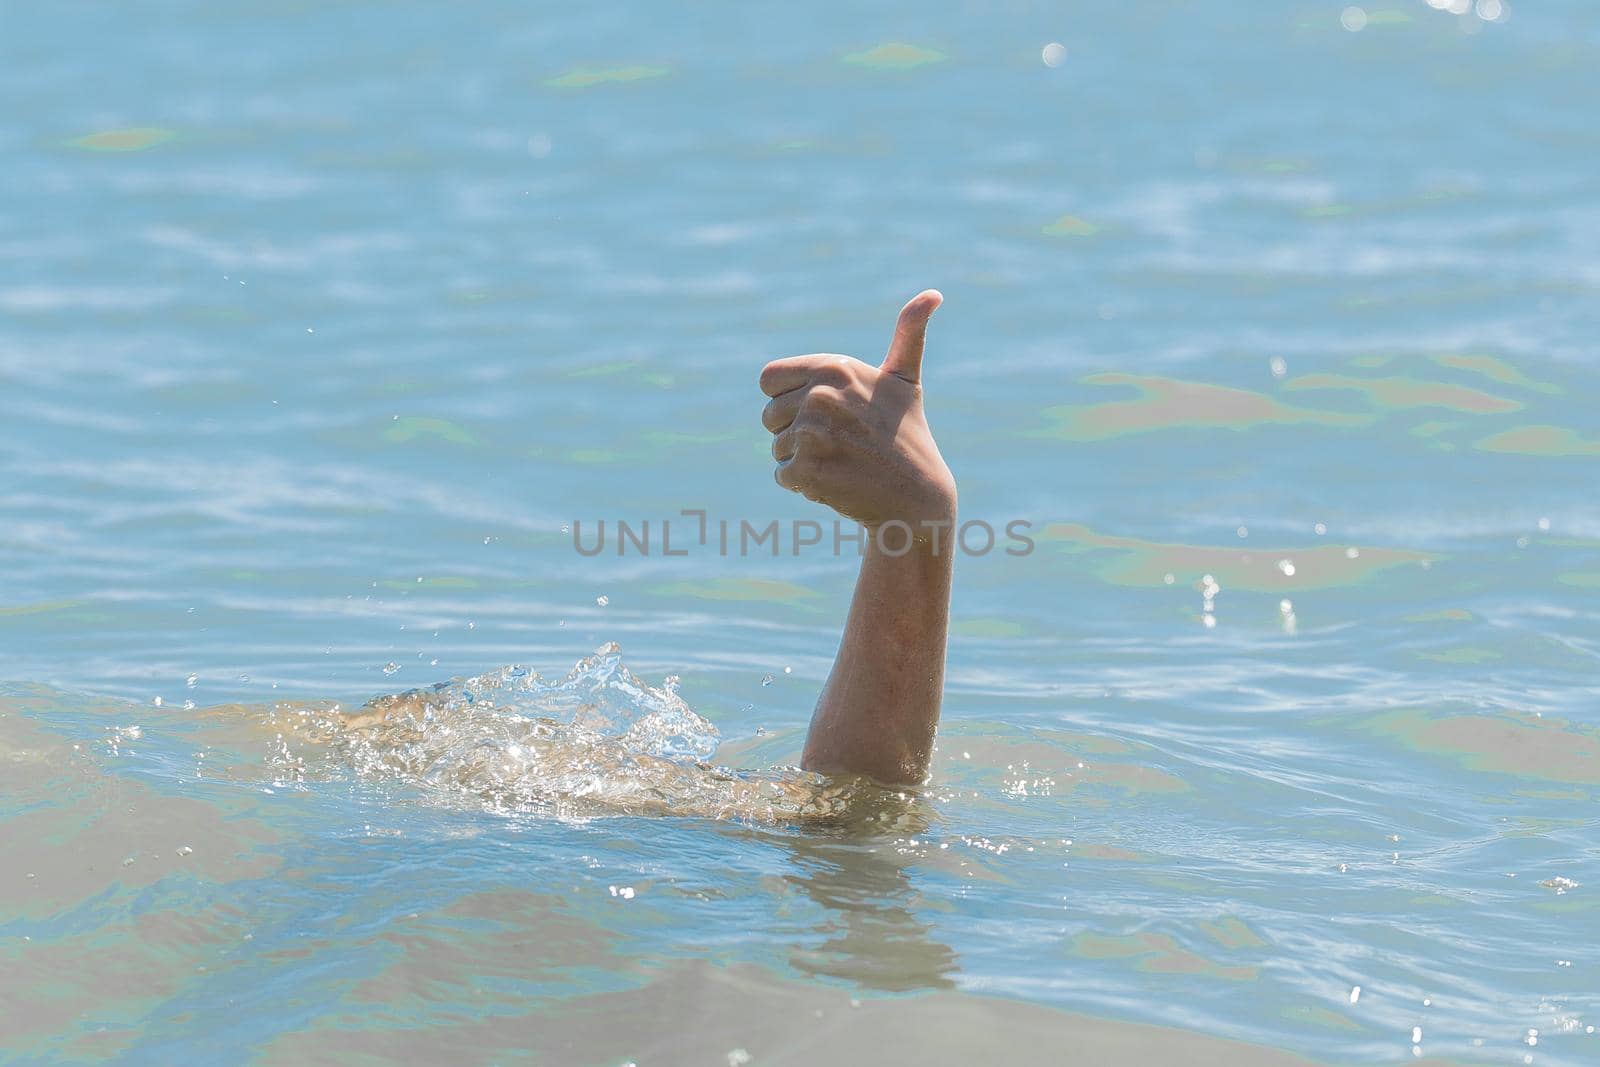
598 741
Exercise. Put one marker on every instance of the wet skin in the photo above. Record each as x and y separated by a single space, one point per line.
854 438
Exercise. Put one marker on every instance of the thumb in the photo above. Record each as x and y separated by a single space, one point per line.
905 351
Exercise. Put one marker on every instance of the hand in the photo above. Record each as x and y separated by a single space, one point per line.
853 436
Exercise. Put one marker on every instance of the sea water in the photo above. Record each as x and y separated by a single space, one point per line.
324 328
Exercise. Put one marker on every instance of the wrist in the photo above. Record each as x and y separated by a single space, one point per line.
924 538
927 524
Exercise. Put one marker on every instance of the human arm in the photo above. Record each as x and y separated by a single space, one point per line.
854 437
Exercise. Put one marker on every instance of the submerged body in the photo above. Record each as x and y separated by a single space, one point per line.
598 741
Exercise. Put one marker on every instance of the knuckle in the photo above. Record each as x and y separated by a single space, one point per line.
838 372
815 437
823 398
806 467
856 396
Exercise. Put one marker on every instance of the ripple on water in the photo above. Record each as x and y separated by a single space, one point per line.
1133 561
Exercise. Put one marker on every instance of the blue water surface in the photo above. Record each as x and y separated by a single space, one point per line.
321 324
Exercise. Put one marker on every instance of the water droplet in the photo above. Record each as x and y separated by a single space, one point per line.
1416 1035
185 850
192 681
188 705
766 680
788 670
1054 54
1243 532
157 702
390 667
1353 19
1352 553
1278 366
1355 994
1320 528
1286 606
1169 578
1287 567
602 600
1210 621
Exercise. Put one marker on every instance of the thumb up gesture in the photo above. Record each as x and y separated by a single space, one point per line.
853 436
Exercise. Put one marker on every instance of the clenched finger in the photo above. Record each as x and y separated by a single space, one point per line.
791 372
781 409
785 445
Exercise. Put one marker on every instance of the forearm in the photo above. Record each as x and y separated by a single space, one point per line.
880 707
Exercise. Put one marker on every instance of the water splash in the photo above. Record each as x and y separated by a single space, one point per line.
600 699
598 741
